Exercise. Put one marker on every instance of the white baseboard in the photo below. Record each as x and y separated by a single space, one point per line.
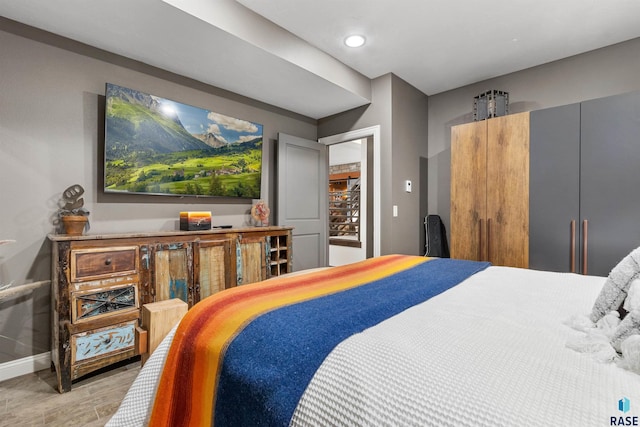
26 365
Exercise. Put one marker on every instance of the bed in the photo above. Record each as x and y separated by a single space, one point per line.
396 340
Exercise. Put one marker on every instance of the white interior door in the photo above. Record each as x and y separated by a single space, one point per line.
303 176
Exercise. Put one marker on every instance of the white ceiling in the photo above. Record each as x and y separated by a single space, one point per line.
290 53
441 45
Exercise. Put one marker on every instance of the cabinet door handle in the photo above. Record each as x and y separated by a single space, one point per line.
585 242
480 240
572 246
489 239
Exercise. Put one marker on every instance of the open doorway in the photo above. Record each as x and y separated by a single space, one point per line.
348 197
369 168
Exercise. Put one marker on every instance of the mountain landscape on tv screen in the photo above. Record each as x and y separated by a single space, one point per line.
158 146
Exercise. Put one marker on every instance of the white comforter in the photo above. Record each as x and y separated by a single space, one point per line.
489 352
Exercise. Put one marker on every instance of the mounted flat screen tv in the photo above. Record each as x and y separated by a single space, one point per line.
157 146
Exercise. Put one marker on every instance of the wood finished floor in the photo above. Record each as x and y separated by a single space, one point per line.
33 400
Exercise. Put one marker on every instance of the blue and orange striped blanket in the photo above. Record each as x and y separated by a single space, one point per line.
245 356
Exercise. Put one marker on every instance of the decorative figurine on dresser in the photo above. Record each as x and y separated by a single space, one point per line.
100 282
72 216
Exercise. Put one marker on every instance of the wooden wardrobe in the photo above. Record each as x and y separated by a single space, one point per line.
490 190
554 189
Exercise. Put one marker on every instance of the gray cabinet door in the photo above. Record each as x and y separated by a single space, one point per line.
554 187
610 179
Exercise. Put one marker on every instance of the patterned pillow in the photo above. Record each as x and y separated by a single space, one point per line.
615 289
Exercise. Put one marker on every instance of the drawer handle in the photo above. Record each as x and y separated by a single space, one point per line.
107 261
107 341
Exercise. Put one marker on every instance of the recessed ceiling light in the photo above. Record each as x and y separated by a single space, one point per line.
355 40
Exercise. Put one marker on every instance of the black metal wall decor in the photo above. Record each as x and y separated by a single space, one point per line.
492 103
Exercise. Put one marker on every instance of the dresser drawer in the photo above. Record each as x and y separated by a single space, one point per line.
103 342
89 264
97 303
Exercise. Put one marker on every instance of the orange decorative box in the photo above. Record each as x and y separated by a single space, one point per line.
190 221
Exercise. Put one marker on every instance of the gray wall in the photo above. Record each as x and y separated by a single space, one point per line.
51 130
409 117
607 71
401 111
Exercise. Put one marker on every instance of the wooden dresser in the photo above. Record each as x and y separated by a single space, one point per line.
99 284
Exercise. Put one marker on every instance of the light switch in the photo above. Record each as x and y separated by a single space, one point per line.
395 210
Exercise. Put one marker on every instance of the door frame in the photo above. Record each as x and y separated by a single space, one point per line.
372 132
